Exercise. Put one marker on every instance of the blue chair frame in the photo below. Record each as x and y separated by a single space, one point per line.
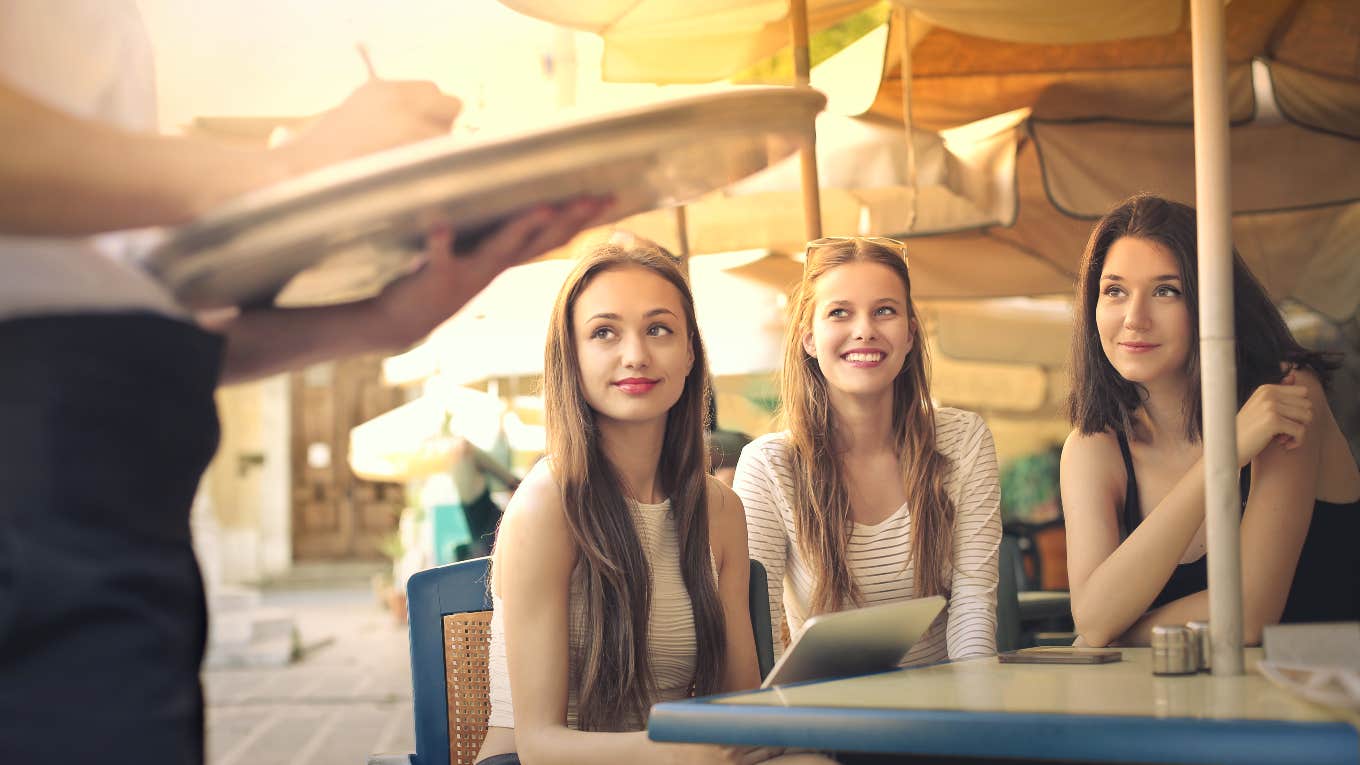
460 588
758 601
457 588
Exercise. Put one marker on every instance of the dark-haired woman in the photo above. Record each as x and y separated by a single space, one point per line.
1132 473
620 570
872 494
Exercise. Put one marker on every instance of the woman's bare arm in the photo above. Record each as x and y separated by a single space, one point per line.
1274 526
727 529
1113 583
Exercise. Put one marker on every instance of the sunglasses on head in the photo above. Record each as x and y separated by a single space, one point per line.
882 241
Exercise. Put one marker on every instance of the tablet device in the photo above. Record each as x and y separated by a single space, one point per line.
855 642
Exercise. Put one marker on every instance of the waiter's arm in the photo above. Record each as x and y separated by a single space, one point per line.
268 341
62 175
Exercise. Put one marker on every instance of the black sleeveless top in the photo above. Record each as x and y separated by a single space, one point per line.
1326 584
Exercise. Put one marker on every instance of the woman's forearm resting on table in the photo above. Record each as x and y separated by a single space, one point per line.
1274 525
1110 591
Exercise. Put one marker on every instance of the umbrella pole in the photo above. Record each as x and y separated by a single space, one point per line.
902 21
802 68
1218 366
682 239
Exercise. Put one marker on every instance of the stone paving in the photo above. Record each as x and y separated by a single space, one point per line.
348 697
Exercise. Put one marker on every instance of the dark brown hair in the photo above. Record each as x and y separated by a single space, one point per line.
821 498
1101 399
612 673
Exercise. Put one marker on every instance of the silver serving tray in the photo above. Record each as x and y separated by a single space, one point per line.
342 233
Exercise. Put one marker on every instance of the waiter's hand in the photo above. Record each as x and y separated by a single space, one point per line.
445 281
378 115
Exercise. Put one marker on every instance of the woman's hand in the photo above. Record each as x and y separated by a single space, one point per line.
1274 414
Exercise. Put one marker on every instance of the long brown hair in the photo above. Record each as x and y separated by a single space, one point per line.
1101 399
821 498
612 674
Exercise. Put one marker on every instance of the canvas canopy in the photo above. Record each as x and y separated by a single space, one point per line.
706 40
1095 108
966 185
1114 118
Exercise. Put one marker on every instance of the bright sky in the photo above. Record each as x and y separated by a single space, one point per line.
296 57
270 58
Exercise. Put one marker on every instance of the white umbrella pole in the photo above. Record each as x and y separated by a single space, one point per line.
682 238
902 20
1218 366
802 68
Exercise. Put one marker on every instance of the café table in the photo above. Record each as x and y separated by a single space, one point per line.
981 708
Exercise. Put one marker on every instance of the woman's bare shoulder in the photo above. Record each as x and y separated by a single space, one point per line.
726 520
1091 465
1102 445
536 503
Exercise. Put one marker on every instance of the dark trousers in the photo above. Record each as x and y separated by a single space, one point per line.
106 424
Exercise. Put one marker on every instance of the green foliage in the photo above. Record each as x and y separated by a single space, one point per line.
767 404
390 545
1029 488
778 69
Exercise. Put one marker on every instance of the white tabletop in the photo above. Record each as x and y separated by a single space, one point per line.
1126 687
1117 712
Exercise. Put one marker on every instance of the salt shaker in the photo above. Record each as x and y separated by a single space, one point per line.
1200 631
1174 651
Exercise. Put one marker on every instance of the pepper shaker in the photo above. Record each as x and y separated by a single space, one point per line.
1203 649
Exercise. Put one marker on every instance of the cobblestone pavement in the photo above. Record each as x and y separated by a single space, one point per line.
348 697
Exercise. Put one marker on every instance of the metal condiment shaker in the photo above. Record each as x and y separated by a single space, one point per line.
1174 651
1204 650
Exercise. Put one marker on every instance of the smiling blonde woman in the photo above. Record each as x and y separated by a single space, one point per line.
872 494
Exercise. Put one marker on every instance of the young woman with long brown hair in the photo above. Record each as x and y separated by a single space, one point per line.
872 494
621 570
1135 546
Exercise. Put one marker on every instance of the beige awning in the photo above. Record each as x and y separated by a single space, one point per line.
1106 88
705 40
1111 119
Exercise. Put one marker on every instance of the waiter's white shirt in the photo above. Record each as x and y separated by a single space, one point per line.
93 60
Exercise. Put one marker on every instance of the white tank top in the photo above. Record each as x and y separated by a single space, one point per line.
670 627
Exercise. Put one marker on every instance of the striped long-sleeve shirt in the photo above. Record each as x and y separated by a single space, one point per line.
880 555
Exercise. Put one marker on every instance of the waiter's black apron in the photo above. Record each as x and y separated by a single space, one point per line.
106 424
